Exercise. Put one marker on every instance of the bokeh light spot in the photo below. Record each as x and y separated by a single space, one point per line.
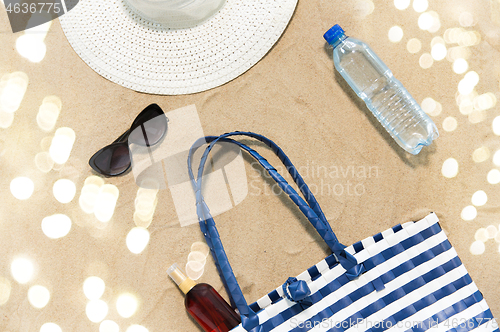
62 144
472 77
420 5
481 154
465 87
496 158
53 100
105 202
436 23
22 270
109 326
363 8
143 220
428 105
477 116
200 247
425 21
401 4
13 91
194 269
496 125
48 113
395 34
479 198
197 256
449 124
88 197
437 40
465 104
468 83
31 47
414 45
451 35
469 213
450 168
56 226
93 288
89 193
38 296
50 327
5 289
137 239
45 143
438 52
94 180
477 248
426 61
136 328
484 101
493 176
460 66
6 119
438 109
469 38
96 310
43 162
126 305
466 19
22 187
492 231
64 190
481 235
458 52
145 205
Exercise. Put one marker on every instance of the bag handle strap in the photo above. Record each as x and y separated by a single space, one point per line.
308 195
212 237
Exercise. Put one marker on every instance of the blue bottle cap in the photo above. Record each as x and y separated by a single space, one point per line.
333 35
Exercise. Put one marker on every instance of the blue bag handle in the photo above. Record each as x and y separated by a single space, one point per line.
207 224
311 200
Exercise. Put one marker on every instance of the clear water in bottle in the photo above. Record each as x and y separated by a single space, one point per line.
384 95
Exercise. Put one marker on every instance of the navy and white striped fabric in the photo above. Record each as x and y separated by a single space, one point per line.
426 287
406 279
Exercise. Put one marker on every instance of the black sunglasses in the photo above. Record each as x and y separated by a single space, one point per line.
114 159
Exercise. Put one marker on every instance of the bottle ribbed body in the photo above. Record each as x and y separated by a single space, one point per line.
384 95
402 117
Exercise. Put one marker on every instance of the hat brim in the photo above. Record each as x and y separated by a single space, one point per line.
148 57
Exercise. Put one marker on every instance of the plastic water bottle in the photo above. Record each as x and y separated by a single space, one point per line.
384 95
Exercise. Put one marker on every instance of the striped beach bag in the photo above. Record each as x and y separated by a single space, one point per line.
407 278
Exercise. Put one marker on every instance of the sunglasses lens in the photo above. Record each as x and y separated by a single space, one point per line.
150 131
114 160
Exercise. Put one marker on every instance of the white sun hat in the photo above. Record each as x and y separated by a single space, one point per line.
124 47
